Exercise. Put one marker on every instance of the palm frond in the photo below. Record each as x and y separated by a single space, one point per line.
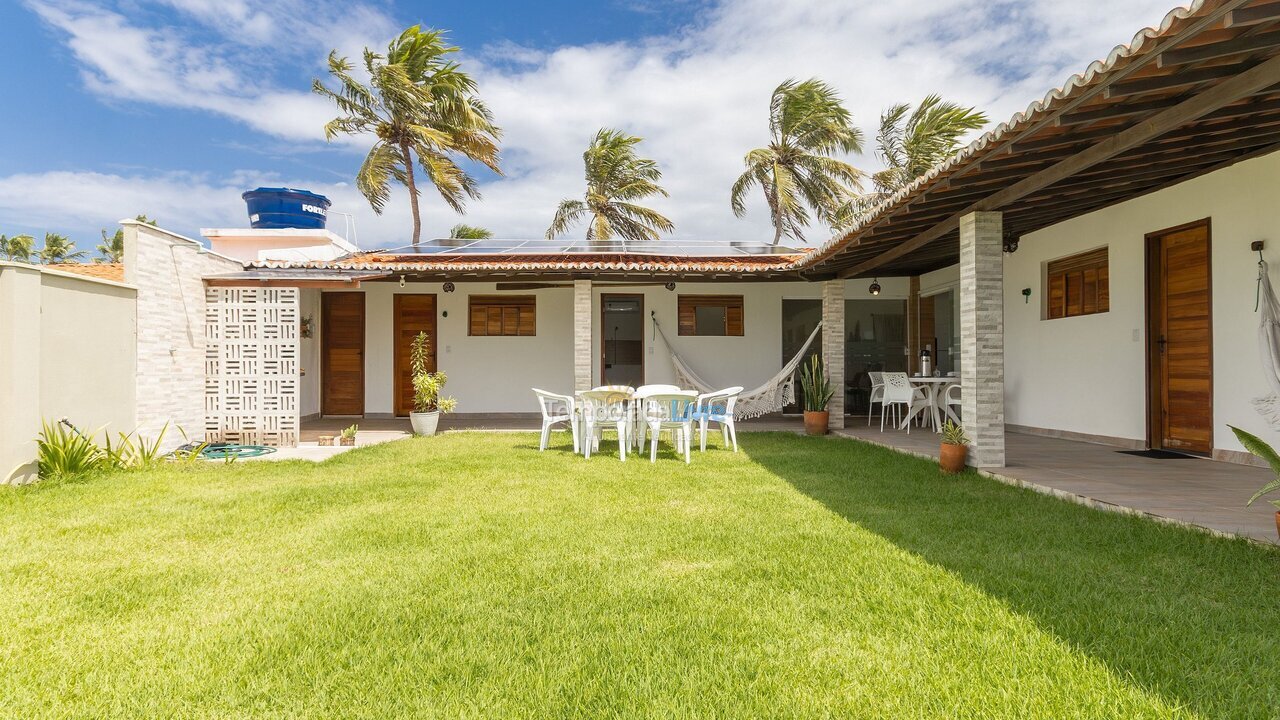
567 214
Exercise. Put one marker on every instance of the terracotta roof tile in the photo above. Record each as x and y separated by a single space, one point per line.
102 271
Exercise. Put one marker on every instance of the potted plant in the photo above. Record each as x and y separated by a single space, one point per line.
348 435
955 448
816 392
1259 448
427 403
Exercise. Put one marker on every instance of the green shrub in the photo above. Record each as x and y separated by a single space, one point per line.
63 453
815 385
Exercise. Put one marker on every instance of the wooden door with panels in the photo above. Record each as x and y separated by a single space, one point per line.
413 314
1180 339
342 353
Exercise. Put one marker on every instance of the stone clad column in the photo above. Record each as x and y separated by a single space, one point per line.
582 334
833 346
982 336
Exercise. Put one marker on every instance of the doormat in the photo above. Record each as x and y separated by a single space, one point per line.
1158 454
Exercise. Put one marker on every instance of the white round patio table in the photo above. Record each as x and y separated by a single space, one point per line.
934 389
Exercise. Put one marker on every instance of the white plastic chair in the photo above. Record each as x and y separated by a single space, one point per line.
877 393
951 399
670 411
898 391
717 407
642 392
557 408
601 409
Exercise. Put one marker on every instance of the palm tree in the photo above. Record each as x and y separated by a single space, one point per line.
418 105
807 124
112 248
463 231
616 177
910 145
58 249
17 248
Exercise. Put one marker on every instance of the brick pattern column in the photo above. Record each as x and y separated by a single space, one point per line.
582 334
982 336
833 346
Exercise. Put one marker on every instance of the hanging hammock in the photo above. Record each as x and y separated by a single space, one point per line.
1268 406
774 395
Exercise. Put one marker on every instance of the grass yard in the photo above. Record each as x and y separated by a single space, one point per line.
468 576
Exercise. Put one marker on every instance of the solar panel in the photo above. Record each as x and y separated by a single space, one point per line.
614 246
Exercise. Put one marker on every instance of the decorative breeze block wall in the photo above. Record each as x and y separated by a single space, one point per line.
251 366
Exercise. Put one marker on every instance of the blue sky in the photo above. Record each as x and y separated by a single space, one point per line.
172 107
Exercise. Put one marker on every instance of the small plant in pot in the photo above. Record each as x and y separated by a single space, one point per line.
1258 447
348 435
816 394
427 402
955 448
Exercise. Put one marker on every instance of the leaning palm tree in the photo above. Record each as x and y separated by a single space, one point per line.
17 248
796 172
616 178
421 107
911 144
111 248
59 249
462 231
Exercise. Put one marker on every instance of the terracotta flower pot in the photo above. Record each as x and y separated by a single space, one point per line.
1278 522
349 441
951 458
815 422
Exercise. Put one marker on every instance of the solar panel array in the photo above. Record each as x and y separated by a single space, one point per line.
616 246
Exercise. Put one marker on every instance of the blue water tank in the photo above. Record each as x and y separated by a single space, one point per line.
286 208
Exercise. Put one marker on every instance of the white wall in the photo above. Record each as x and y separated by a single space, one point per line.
67 349
495 374
1087 374
309 354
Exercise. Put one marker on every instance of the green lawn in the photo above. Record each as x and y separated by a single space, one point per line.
469 576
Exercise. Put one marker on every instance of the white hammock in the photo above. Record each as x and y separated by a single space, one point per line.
775 394
1268 406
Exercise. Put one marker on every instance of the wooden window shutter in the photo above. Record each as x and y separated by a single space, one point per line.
731 305
1079 285
502 315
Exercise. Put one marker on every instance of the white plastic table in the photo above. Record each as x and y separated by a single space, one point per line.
934 391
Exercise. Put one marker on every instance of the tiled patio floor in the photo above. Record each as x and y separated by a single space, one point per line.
1200 492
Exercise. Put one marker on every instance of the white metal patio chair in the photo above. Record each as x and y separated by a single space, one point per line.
877 393
670 411
899 393
638 426
717 407
602 410
557 408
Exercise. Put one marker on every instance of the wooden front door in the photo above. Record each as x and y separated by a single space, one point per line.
1180 332
342 353
413 314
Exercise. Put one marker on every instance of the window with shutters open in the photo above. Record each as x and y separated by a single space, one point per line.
502 315
1078 285
710 315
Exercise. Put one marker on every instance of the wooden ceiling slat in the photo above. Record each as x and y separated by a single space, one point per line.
1175 80
1213 51
1110 112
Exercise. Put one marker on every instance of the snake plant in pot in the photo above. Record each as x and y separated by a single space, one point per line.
1259 447
955 448
816 394
427 402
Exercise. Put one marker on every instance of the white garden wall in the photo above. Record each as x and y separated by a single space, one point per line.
66 350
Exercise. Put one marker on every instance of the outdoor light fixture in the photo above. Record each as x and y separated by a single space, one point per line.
670 286
875 287
448 287
1010 244
401 281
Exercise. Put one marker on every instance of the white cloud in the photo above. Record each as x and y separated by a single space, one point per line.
698 97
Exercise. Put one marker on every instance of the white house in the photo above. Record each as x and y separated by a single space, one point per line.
1088 267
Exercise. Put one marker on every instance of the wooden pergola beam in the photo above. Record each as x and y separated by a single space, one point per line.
1182 79
1228 91
1253 15
1211 51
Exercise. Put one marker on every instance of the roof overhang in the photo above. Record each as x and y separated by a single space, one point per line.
1197 94
319 278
